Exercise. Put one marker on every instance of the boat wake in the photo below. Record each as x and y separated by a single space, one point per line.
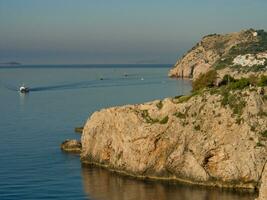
100 83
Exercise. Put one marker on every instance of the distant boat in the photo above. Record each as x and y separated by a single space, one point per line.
24 89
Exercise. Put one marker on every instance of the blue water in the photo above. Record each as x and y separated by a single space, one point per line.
32 127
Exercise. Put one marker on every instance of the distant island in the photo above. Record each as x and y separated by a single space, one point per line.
10 63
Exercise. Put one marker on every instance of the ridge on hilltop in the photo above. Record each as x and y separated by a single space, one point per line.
237 53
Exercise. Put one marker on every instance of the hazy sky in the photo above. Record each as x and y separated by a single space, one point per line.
117 31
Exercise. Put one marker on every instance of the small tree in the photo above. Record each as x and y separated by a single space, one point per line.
205 80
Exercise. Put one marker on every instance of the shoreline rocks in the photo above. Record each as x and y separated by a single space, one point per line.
78 129
71 146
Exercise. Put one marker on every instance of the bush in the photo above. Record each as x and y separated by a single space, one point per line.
159 105
227 79
263 81
197 127
235 102
264 133
239 84
180 115
205 80
164 120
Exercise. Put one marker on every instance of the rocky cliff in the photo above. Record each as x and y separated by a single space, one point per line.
235 53
210 138
263 188
217 136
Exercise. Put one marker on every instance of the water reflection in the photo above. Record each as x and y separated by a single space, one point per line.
99 184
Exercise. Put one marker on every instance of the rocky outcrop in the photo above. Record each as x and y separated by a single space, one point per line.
211 49
72 146
198 139
263 189
78 129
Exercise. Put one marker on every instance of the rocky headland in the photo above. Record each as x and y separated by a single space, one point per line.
217 136
239 54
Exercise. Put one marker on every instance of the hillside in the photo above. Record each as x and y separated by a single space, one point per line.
238 54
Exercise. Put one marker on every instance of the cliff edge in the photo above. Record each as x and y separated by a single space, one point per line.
214 137
217 136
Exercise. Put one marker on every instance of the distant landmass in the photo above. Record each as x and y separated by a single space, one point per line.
10 63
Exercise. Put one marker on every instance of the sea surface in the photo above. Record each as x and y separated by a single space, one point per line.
33 125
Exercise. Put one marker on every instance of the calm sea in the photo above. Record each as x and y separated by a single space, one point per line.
32 127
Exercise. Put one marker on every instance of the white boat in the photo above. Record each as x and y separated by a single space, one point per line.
24 89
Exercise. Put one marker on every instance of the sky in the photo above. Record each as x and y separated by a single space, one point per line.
117 31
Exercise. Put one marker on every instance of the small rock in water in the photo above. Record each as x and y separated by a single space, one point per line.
79 129
73 146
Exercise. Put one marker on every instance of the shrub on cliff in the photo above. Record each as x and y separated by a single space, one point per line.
205 80
239 84
263 81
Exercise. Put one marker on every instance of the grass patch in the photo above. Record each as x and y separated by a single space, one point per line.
180 115
164 120
234 101
148 119
145 115
260 144
262 114
184 98
264 133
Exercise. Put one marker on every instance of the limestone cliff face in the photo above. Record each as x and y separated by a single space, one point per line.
194 139
208 51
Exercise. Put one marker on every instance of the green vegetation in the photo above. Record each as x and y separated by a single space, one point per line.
148 119
78 129
205 80
264 133
262 81
251 47
260 144
180 115
235 102
184 98
197 127
239 84
159 105
164 120
262 114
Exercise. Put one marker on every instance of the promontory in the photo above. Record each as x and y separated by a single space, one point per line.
216 136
